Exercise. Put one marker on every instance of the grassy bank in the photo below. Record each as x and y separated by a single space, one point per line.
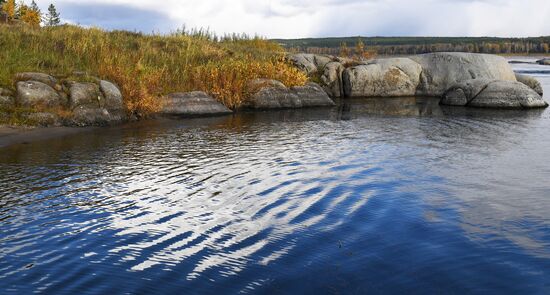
146 66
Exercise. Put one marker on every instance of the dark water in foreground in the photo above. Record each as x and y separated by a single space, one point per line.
372 197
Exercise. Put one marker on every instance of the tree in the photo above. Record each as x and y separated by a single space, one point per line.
360 48
344 50
29 14
52 17
9 8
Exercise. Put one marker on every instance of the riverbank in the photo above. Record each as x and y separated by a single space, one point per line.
11 135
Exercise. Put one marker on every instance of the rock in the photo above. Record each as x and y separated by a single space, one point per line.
310 95
84 116
112 96
84 95
310 63
531 82
331 79
390 77
487 93
442 70
6 100
257 84
5 92
32 93
39 77
43 119
196 103
544 62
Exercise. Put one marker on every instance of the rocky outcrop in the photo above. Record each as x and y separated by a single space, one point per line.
192 104
531 82
442 70
331 79
310 63
544 62
34 93
486 93
280 97
382 78
39 77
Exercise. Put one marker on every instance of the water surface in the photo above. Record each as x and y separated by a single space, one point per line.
395 196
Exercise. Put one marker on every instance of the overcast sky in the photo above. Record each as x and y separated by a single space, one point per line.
317 18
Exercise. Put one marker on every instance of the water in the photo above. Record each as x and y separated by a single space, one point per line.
372 197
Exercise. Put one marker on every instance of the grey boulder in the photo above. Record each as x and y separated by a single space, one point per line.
331 79
84 95
485 93
531 82
310 95
442 70
6 97
112 96
33 93
39 77
196 103
390 77
310 63
84 116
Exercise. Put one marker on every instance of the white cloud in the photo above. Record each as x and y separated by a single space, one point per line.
315 18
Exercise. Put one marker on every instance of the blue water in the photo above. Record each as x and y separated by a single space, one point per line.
372 197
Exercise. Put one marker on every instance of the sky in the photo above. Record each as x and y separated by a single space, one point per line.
316 18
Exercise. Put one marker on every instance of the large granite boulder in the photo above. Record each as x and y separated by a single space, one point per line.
486 93
112 97
40 77
310 63
82 94
192 104
277 97
382 78
33 93
331 79
544 62
442 70
532 82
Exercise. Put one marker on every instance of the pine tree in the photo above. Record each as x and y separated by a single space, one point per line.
52 17
360 48
344 50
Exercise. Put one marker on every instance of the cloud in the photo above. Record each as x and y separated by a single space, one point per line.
317 18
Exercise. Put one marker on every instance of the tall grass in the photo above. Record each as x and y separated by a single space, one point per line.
147 66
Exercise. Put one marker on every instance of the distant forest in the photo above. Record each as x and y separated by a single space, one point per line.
415 45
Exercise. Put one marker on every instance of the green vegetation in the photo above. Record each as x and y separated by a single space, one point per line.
146 66
417 45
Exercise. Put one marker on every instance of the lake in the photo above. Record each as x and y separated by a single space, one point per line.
370 197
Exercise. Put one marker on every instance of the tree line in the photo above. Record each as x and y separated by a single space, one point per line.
29 14
411 45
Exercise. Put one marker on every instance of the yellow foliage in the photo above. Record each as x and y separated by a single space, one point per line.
31 17
9 8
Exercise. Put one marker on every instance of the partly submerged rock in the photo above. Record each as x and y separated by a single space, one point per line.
196 103
310 95
531 82
39 77
44 119
487 93
84 116
382 78
442 70
544 62
84 95
331 79
112 96
32 93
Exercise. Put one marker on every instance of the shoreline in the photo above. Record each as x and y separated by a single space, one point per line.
12 136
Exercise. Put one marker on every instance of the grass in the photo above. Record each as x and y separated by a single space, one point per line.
147 66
